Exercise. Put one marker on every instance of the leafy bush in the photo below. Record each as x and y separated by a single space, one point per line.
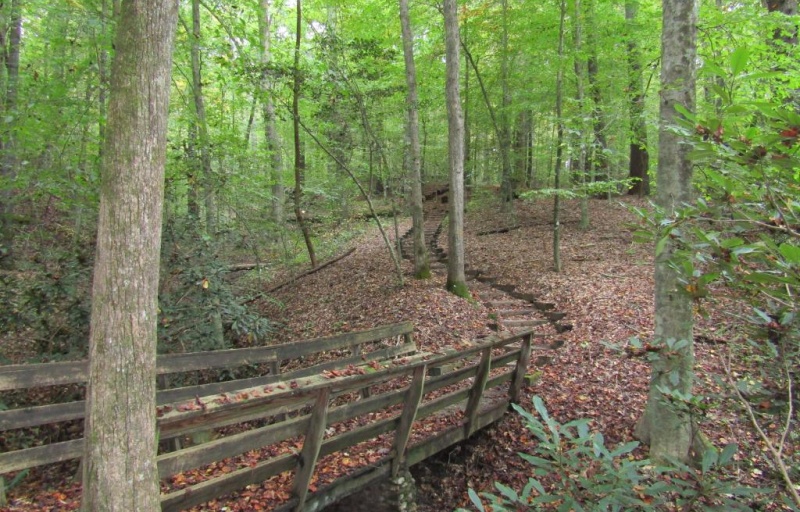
573 470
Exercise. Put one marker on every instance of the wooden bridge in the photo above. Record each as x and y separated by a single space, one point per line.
368 397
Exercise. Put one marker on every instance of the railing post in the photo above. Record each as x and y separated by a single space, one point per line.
311 447
475 394
412 401
521 369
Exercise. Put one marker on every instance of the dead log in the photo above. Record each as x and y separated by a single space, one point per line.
308 272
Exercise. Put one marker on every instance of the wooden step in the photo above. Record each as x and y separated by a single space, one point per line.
524 323
502 303
555 316
516 312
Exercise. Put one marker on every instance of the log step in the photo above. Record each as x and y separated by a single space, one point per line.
524 323
554 316
502 303
516 312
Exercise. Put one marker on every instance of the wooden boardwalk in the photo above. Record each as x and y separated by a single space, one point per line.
377 393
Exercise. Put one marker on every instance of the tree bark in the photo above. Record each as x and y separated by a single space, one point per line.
268 112
10 39
421 266
456 280
119 471
580 96
299 156
559 142
639 162
209 187
506 184
671 434
599 163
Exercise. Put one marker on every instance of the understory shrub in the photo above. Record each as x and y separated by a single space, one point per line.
574 470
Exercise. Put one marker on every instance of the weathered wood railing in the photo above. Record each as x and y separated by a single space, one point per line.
483 378
405 392
285 361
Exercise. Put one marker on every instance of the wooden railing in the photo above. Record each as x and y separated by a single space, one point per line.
333 409
285 361
483 379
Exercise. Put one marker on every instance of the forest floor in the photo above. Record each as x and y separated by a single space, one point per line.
606 290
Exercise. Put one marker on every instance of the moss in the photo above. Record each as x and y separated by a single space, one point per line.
459 288
424 273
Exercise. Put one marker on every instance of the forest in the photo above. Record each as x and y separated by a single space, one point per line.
594 201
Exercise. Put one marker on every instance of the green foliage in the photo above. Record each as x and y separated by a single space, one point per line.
742 235
579 190
574 470
50 302
199 309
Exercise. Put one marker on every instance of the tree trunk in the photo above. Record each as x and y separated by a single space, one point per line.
119 470
580 100
639 161
599 164
299 157
506 185
456 280
10 39
209 192
270 121
671 434
559 142
421 266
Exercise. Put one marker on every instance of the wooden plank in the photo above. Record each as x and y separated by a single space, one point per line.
340 488
520 370
71 372
410 408
524 323
476 393
303 348
39 455
41 415
175 462
233 481
343 362
311 446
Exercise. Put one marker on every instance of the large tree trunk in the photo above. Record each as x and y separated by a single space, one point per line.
421 267
299 156
456 280
639 162
671 434
270 121
119 471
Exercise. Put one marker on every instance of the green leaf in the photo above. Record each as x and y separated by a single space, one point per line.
710 458
791 253
475 499
661 244
507 491
738 60
727 453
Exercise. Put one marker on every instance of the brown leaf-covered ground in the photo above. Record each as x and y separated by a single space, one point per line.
605 288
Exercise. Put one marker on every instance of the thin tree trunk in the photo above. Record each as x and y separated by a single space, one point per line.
299 157
456 280
119 470
469 178
270 120
506 185
559 142
209 193
639 162
11 39
669 433
580 100
599 168
421 266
